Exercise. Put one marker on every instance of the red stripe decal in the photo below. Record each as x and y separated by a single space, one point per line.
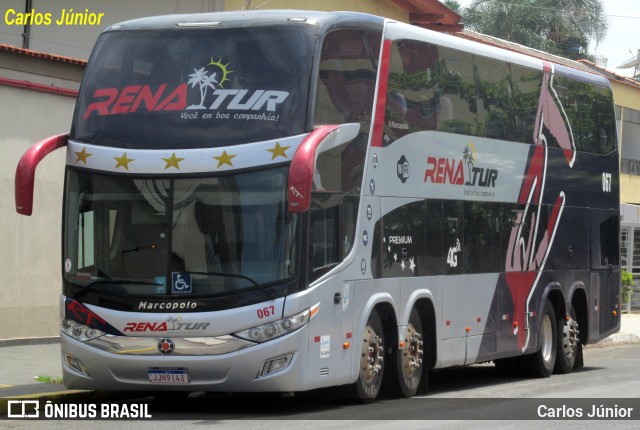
381 101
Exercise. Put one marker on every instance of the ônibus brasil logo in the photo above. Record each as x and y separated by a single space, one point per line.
444 170
210 80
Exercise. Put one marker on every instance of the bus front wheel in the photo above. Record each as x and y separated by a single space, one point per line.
371 366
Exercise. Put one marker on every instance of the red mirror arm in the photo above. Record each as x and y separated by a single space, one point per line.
26 170
302 169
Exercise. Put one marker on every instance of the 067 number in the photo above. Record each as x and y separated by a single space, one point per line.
266 312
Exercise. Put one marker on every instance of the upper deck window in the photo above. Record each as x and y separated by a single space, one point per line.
195 88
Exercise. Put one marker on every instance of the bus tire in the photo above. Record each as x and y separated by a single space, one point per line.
540 364
406 372
568 344
371 366
579 358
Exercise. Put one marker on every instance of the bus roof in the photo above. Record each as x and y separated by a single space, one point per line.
250 18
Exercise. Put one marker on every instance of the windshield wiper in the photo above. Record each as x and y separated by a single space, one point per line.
234 275
84 290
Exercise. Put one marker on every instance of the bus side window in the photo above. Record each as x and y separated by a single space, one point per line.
324 234
525 91
494 101
609 242
86 240
413 97
453 238
347 77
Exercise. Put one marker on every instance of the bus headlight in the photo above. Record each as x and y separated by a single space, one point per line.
275 329
79 331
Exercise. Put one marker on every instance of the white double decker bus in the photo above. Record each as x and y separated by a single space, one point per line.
289 200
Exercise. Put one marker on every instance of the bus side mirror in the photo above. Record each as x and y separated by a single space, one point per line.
300 180
26 170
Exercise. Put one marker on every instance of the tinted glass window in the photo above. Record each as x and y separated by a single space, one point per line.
332 230
136 236
482 237
436 88
589 111
195 88
455 75
403 242
526 86
413 94
344 94
347 77
609 245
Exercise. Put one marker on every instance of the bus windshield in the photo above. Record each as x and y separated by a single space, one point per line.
195 88
210 236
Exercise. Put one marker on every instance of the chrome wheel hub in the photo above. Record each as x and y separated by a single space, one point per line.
570 338
372 356
412 355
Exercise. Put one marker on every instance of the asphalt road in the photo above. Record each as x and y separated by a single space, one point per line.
611 376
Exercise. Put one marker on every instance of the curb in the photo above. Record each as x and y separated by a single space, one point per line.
616 339
30 341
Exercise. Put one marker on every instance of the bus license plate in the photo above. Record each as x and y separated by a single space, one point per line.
169 376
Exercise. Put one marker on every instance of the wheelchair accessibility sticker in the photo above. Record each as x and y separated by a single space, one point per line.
180 283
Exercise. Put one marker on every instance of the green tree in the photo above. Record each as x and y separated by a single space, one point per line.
453 5
561 27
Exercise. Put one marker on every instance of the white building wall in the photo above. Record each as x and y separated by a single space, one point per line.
30 285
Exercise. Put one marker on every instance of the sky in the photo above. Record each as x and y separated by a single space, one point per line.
622 37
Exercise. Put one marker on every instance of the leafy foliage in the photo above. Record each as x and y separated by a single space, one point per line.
627 285
453 5
561 27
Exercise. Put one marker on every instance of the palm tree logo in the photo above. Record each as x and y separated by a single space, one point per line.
468 159
205 80
174 321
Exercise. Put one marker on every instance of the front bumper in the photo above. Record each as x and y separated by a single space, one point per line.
236 371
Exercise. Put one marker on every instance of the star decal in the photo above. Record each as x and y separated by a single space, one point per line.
82 155
402 265
123 161
224 159
389 248
395 256
278 151
172 161
412 265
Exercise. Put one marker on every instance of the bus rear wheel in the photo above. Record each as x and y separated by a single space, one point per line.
371 366
540 364
407 373
569 345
